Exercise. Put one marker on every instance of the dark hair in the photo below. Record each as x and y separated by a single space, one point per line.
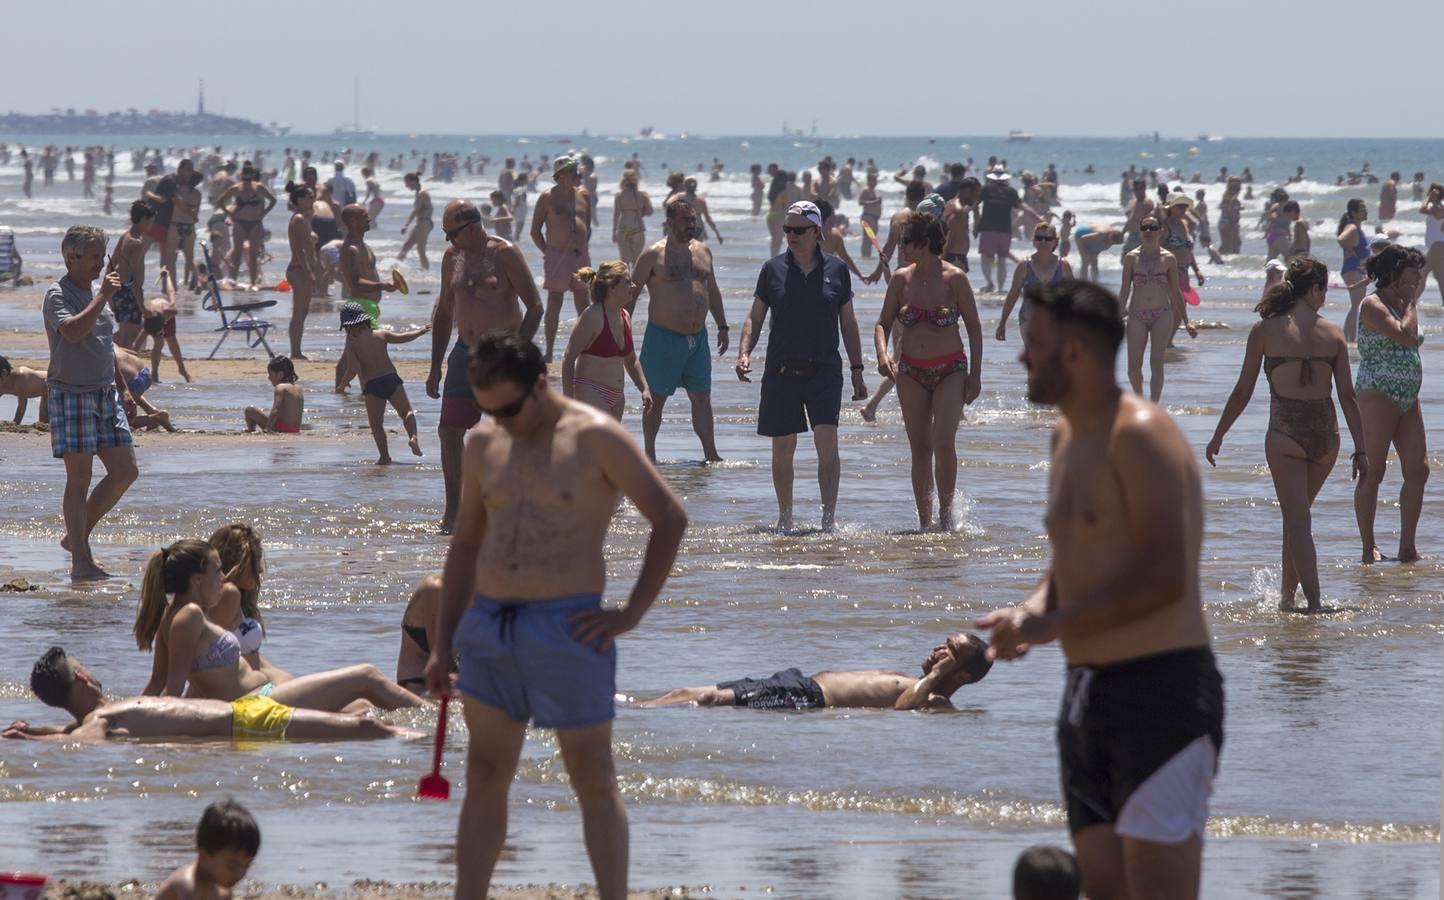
309 170
504 356
977 665
366 171
51 678
297 192
924 229
5 367
1347 218
227 825
1291 206
283 365
195 179
1304 274
825 208
1086 309
1279 195
1388 264
676 206
1046 873
140 211
971 182
915 191
498 196
957 171
169 571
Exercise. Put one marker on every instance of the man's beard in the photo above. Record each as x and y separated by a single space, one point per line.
1047 384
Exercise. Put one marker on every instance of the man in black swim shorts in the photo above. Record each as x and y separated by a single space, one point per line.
960 660
1142 720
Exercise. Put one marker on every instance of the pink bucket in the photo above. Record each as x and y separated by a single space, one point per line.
21 885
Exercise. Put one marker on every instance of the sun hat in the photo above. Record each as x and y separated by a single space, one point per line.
562 163
353 314
1178 199
807 210
998 173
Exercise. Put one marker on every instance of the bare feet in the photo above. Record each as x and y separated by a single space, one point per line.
164 418
86 570
1409 556
1372 555
945 520
384 460
711 458
828 520
299 355
65 543
784 524
415 442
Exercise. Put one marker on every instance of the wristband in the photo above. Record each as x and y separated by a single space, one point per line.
859 367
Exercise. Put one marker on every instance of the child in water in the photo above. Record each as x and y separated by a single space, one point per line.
160 325
26 385
227 841
365 355
287 405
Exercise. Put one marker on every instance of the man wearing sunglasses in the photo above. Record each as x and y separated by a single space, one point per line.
810 295
521 599
482 279
681 290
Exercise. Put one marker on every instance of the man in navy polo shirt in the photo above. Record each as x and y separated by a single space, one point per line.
810 295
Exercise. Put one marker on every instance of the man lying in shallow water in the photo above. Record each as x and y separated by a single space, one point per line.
61 681
961 660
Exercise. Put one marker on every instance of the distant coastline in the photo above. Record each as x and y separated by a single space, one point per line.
133 121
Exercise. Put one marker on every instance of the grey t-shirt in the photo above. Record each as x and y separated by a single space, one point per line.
89 364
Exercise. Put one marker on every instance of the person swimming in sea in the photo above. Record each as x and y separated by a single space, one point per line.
960 660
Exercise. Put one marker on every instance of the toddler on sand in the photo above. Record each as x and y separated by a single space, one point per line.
287 405
365 355
26 385
227 841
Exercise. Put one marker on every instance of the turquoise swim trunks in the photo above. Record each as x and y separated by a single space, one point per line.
670 360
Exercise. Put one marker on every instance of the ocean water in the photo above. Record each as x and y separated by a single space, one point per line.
1330 773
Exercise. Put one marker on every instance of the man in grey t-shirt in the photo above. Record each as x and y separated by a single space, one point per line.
87 396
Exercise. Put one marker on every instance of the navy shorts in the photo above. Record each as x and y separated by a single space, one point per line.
789 404
383 386
521 658
458 404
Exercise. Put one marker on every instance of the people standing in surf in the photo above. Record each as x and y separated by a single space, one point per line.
995 222
184 217
960 209
374 201
1205 237
1433 213
935 375
1044 266
1140 206
418 224
810 296
1304 357
1355 243
759 189
1142 720
1152 301
1230 209
1388 381
871 215
304 271
1278 228
630 208
681 290
600 352
542 479
1178 237
253 201
1389 197
704 216
561 230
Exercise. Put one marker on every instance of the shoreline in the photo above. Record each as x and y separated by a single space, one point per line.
72 889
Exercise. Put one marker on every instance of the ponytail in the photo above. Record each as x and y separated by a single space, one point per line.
1304 274
1347 218
168 571
609 276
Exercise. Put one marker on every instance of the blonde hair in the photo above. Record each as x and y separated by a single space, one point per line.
240 550
168 571
604 279
629 178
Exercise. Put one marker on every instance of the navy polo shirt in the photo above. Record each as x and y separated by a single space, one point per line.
805 308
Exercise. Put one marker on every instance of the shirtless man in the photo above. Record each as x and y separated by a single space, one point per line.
540 482
128 262
482 279
955 221
564 213
834 230
871 203
61 681
1141 206
1143 714
961 660
689 193
913 194
681 290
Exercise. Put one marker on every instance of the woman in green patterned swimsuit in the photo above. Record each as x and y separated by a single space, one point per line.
1390 373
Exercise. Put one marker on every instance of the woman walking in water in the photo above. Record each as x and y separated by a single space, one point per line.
1433 212
1230 208
1178 237
1355 244
1043 267
419 221
600 350
1390 375
1152 302
1300 351
304 271
253 202
933 373
630 208
374 200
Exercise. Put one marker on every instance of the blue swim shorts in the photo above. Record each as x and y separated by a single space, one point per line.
521 658
670 359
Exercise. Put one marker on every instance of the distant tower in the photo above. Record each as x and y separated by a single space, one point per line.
201 100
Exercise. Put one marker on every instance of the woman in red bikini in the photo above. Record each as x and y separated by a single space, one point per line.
934 379
600 348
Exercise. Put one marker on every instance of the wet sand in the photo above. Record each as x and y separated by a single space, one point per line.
361 890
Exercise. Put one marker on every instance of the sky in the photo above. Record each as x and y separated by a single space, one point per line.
1238 68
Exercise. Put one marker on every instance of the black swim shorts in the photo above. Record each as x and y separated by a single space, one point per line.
788 689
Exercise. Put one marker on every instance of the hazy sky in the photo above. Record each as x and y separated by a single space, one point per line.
1231 67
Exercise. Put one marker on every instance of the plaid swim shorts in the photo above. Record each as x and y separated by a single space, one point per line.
87 422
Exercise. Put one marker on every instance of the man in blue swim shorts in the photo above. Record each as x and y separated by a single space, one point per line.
681 290
521 598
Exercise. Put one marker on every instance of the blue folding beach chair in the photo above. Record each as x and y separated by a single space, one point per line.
244 313
9 256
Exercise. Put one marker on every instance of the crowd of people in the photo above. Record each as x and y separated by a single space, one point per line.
534 471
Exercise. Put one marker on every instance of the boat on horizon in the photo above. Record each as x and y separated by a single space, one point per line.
1018 136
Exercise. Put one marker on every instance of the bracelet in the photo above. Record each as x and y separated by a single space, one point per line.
859 367
1358 453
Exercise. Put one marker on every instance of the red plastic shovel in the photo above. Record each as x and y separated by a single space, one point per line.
435 786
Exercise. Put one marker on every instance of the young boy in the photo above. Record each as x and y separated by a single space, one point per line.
287 405
227 841
365 355
128 262
133 369
160 325
26 384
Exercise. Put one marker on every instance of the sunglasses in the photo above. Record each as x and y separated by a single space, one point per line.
511 410
468 218
1150 227
1045 238
798 230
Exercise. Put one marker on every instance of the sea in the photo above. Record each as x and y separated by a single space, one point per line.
1329 780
